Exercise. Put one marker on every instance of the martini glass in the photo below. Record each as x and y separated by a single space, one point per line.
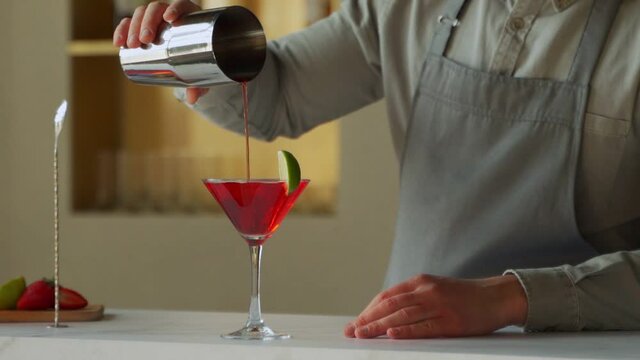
256 208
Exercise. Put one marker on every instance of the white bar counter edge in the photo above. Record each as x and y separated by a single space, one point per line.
139 334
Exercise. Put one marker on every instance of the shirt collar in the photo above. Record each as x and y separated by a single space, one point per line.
560 5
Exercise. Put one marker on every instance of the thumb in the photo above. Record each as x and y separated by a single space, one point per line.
193 94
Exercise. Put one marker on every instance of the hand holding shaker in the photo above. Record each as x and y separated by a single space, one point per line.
204 48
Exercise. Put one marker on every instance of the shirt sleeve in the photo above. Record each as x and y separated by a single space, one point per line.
602 293
310 77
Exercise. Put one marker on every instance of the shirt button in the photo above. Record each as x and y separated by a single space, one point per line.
517 23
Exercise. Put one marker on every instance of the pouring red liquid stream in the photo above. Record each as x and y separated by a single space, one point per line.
245 105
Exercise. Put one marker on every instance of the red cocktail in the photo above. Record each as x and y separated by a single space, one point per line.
256 208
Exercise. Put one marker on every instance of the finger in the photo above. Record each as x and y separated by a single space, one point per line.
193 94
404 287
350 330
133 40
430 328
178 9
151 21
387 307
120 33
405 316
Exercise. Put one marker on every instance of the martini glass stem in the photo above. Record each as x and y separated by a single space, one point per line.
255 314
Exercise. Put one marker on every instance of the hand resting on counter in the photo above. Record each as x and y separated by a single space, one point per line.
430 306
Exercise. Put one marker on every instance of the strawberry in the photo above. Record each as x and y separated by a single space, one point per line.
71 299
39 295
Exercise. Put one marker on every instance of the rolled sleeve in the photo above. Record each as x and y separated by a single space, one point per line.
601 293
552 299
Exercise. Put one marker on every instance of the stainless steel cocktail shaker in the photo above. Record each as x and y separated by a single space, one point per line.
205 48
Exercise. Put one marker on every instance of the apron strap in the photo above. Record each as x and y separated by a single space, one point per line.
446 22
594 37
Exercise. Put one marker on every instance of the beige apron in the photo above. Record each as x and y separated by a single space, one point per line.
489 168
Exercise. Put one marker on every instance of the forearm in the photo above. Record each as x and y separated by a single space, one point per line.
223 104
310 77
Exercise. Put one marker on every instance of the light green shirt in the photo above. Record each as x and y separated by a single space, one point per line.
374 49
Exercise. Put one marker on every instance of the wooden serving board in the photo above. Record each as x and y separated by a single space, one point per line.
89 313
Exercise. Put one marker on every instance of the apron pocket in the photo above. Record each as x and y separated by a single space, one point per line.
601 152
605 126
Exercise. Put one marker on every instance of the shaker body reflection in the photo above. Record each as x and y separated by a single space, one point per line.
205 48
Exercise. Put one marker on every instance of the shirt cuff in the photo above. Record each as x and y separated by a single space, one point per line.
180 94
552 299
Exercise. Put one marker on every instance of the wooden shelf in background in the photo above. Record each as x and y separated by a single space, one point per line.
136 149
104 47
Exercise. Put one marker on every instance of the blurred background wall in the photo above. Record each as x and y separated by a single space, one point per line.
4 147
326 263
35 81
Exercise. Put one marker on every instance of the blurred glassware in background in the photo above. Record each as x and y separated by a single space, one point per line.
106 181
132 193
165 181
187 195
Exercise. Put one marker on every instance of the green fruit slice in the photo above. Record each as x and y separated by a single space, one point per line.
11 292
289 170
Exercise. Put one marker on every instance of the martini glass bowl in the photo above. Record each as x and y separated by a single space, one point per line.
256 209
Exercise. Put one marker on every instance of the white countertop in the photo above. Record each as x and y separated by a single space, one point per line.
133 334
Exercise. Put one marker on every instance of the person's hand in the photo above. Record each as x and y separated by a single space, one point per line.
430 306
143 27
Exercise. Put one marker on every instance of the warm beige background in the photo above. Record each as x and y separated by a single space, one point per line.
313 265
4 149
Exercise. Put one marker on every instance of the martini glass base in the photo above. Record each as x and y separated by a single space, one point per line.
58 326
260 332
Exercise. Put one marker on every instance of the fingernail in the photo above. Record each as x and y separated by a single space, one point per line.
350 328
363 330
171 14
393 332
146 33
118 39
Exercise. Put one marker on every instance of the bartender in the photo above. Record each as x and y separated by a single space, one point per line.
517 127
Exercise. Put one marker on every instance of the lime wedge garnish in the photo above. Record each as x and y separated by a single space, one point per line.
289 170
11 292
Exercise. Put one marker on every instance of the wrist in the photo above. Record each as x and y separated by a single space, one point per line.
515 301
512 305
